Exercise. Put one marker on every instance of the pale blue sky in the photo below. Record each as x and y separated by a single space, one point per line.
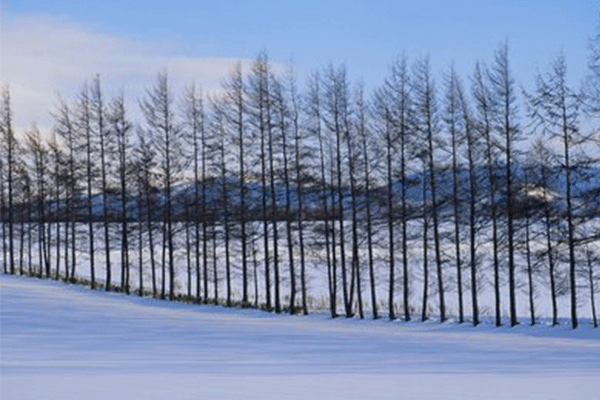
365 35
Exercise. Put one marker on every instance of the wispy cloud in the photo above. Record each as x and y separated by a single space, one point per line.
42 55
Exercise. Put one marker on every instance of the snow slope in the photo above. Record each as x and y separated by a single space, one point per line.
61 341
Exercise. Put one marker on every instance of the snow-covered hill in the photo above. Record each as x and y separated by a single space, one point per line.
66 342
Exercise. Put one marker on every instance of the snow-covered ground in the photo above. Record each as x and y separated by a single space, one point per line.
316 270
62 341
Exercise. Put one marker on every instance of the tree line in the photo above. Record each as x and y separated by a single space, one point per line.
420 192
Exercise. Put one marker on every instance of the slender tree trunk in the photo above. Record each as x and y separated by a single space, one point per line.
299 193
333 276
315 113
57 208
244 236
121 128
404 222
570 227
42 212
22 231
225 191
340 197
227 251
281 110
98 108
528 254
529 269
2 219
196 114
510 216
459 283
550 251
273 213
188 250
255 270
214 262
140 225
73 241
425 247
456 203
88 151
264 208
299 190
164 259
472 214
170 227
288 223
150 229
436 235
30 240
124 232
355 245
592 288
204 212
390 218
366 165
66 216
10 162
331 273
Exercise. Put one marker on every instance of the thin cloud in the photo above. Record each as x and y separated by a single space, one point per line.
42 55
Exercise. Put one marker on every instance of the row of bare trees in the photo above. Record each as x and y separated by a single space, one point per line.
258 185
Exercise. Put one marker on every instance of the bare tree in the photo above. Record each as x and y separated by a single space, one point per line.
351 143
145 165
39 152
260 119
426 111
526 210
543 159
272 174
425 210
193 117
483 120
57 161
24 211
98 115
504 97
233 113
282 122
452 119
64 127
120 130
556 108
302 153
157 108
83 123
364 136
221 162
472 148
335 115
314 123
382 108
9 142
399 92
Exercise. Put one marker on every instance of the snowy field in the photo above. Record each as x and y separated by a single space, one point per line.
62 341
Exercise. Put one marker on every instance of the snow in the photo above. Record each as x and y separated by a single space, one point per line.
60 341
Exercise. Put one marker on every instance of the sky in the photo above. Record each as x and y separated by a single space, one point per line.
52 47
